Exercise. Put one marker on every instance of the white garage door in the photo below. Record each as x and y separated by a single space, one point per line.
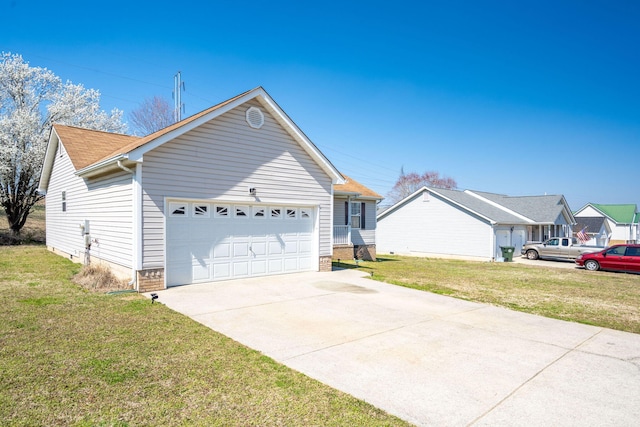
209 241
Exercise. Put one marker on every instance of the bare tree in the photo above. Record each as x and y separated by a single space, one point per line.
151 116
31 100
411 182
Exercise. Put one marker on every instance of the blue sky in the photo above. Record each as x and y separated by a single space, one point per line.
510 97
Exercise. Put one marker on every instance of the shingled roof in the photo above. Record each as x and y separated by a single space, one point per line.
351 186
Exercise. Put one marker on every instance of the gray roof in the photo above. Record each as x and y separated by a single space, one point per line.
541 209
593 224
479 206
499 208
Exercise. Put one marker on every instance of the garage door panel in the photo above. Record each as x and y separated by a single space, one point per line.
201 271
222 250
275 248
259 267
240 268
240 249
259 249
290 264
223 246
221 271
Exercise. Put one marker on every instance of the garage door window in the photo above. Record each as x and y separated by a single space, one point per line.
200 211
178 209
258 212
276 213
305 213
242 211
291 213
221 211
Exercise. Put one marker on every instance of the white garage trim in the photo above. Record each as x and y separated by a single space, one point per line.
210 240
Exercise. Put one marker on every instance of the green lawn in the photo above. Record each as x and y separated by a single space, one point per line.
71 357
611 300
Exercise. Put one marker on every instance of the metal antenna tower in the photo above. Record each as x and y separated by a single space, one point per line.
178 87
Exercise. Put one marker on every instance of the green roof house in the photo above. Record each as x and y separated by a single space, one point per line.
622 220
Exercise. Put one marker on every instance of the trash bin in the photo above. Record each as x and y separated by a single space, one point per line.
507 253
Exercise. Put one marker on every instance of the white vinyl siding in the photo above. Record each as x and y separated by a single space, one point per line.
434 227
221 160
106 203
361 236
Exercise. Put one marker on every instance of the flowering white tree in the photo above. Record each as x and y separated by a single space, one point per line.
31 100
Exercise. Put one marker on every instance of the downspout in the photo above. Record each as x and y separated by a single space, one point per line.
134 182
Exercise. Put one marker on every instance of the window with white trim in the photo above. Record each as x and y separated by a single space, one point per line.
242 211
305 213
291 213
63 197
177 209
355 214
276 213
258 212
201 210
221 211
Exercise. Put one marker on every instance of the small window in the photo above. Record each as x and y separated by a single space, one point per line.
201 211
276 213
242 211
291 213
355 214
64 201
258 212
221 211
178 209
565 242
305 213
553 242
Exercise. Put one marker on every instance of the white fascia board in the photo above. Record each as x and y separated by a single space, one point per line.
395 207
301 138
47 166
96 167
499 206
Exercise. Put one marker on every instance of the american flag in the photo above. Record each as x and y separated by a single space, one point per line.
583 236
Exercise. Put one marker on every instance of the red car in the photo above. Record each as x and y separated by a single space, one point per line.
616 257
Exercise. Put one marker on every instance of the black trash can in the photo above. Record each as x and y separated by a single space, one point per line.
507 253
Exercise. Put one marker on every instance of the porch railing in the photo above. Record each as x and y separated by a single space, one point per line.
341 235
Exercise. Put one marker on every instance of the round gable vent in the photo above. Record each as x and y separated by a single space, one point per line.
255 118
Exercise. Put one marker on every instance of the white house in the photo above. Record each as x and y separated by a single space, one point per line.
622 221
234 191
354 220
440 222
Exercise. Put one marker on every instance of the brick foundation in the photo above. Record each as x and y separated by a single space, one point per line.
325 263
151 280
342 252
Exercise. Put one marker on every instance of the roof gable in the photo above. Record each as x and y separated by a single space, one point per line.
108 149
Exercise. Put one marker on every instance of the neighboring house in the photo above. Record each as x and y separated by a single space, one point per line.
354 221
234 191
434 221
597 228
622 220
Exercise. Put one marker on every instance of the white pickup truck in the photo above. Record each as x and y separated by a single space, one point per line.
558 248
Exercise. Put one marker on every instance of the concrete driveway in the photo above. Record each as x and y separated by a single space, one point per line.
426 358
